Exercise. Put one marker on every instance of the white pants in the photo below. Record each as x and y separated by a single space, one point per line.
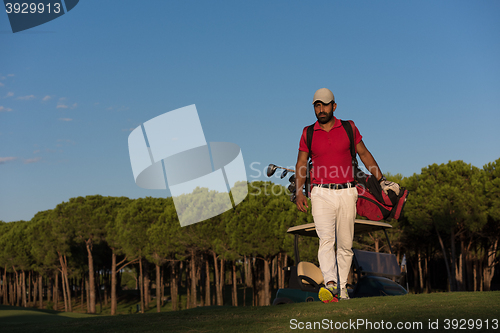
334 212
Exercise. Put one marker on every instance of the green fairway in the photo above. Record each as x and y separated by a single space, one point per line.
474 311
17 318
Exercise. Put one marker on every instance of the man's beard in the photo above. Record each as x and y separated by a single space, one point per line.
324 120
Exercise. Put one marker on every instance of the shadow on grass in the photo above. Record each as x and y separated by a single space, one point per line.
12 315
422 309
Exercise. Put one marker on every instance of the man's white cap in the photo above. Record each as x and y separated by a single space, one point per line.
323 95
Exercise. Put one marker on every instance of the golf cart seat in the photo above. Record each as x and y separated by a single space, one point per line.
375 271
309 274
376 263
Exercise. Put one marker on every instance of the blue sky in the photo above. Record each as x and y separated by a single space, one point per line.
421 80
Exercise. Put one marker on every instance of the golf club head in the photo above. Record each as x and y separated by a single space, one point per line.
283 174
271 169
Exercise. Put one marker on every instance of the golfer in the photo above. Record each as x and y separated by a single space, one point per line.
333 195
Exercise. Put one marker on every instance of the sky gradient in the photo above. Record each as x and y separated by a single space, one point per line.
420 79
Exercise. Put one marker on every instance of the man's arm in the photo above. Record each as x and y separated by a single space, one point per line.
368 160
372 166
300 179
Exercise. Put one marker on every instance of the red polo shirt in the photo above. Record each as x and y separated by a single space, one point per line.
331 154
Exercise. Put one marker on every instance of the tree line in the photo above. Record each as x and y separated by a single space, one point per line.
81 246
449 233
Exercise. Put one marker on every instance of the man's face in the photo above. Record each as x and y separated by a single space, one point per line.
324 112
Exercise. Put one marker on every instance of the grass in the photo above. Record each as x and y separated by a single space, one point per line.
128 301
424 308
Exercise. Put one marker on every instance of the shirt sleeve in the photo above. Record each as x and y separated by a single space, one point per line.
357 136
302 143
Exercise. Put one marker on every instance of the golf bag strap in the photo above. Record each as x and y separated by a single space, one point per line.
309 137
348 127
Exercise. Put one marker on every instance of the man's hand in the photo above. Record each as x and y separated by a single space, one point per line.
301 201
300 179
387 185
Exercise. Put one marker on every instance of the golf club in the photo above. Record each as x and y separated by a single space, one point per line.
271 169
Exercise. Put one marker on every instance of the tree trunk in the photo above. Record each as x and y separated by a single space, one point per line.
115 268
50 287
194 281
280 270
32 299
259 280
20 289
64 292
23 288
91 300
16 287
98 282
267 282
141 285
217 280
32 281
453 260
450 279
87 293
235 287
469 271
68 289
475 270
40 291
158 289
114 302
207 282
31 293
285 263
147 285
489 265
459 273
56 291
188 285
254 285
480 272
173 286
65 283
11 291
4 287
428 288
248 272
222 282
420 273
273 272
162 283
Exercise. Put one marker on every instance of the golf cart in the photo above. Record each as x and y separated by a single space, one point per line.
378 274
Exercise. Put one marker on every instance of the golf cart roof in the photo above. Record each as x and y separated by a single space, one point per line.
360 227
